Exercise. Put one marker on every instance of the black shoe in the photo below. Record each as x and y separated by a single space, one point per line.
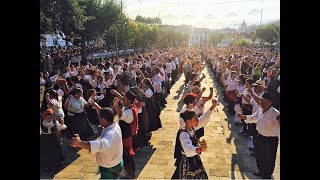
253 154
257 174
252 149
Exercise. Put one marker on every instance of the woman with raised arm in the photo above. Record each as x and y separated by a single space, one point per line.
189 164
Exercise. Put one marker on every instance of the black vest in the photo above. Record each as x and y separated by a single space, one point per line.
125 127
44 129
178 148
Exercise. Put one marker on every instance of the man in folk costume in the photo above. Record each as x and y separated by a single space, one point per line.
128 121
232 83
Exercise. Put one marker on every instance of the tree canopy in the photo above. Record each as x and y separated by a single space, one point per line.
148 20
269 33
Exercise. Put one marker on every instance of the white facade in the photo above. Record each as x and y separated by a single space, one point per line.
199 38
53 40
224 43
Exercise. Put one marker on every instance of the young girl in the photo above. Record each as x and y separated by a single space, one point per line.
51 152
92 113
54 102
189 164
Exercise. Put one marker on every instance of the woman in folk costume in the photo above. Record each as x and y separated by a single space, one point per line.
190 100
91 111
77 117
189 164
154 117
51 152
201 101
139 140
128 122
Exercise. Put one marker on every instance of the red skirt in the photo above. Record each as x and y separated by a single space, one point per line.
232 95
127 145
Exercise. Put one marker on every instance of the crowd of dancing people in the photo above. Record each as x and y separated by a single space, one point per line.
83 100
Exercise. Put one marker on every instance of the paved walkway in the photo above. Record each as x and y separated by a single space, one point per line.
227 155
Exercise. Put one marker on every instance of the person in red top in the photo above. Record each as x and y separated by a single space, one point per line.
128 122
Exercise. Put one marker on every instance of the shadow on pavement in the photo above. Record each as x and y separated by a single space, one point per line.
142 157
71 156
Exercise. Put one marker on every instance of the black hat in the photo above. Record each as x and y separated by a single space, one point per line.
268 96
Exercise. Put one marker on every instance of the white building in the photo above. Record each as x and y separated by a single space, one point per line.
199 36
53 40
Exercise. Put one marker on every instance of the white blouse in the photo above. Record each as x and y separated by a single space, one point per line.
42 82
127 115
148 93
57 108
77 105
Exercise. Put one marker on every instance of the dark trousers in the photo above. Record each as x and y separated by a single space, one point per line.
252 127
245 125
266 151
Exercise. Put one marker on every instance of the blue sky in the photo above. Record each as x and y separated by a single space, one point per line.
214 14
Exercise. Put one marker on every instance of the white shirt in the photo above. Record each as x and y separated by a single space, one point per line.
241 89
50 124
148 93
54 78
156 82
255 105
110 70
87 78
188 148
67 74
173 64
245 92
267 124
168 68
108 148
176 61
57 108
77 105
42 82
199 107
231 84
127 115
162 76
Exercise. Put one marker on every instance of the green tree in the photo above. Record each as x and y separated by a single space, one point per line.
148 20
239 41
63 15
102 14
269 33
